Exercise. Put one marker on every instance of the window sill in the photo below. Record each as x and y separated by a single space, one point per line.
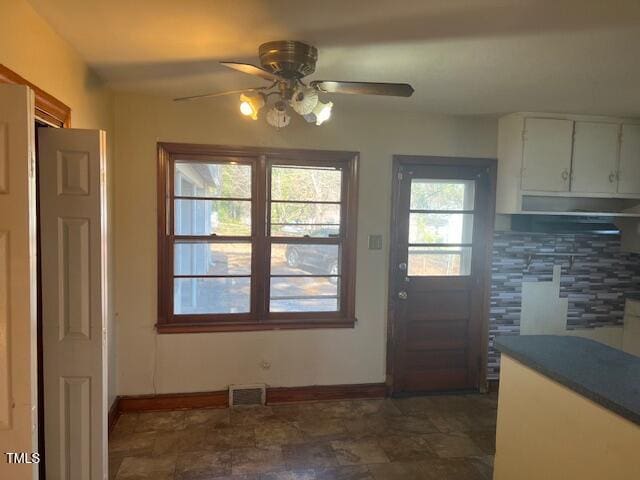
168 328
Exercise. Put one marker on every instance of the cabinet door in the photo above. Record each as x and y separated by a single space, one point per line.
629 170
595 157
547 154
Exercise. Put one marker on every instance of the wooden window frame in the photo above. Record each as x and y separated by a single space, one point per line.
259 318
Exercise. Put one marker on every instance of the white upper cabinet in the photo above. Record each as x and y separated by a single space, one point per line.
561 163
547 154
629 169
595 157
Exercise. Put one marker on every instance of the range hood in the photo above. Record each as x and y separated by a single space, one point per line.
563 224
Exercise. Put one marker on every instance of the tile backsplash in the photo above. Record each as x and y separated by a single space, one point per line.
596 284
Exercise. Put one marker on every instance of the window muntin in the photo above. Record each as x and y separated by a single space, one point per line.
258 240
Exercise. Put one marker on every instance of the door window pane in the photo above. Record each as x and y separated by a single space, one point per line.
212 259
304 294
304 259
211 295
196 179
305 184
439 261
440 227
434 194
207 217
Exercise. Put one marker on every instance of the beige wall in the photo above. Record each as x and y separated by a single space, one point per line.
210 361
30 47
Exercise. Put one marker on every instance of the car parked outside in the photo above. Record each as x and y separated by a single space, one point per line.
316 259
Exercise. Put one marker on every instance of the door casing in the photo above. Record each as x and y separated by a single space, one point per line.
407 160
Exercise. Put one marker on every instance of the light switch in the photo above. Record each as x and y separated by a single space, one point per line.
375 242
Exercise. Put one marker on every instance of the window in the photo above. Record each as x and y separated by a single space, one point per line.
440 227
252 239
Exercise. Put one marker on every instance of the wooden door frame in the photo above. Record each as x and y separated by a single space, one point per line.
402 160
49 109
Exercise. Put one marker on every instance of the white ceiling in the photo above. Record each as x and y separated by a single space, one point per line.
461 56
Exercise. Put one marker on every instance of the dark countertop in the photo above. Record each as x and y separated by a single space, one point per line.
603 374
633 296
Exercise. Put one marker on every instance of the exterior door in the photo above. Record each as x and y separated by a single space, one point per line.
73 221
442 227
18 309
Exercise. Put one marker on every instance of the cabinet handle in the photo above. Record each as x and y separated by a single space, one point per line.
612 177
565 174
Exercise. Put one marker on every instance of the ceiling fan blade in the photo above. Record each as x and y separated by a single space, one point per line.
217 94
364 88
253 70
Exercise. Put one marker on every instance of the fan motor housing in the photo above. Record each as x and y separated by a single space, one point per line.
288 58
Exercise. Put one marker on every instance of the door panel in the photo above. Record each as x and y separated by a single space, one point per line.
547 154
629 170
74 278
441 235
18 309
595 157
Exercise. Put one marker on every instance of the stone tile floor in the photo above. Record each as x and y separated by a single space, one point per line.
435 437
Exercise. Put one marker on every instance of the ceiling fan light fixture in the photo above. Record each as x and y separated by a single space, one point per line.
277 116
304 100
250 104
320 114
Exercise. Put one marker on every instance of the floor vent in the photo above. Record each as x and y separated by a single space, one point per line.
244 395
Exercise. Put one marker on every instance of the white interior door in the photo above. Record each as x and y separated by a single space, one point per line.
18 309
73 221
595 157
546 162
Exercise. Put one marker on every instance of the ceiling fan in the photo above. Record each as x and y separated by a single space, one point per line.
285 63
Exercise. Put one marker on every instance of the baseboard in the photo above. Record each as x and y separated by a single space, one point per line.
173 401
114 413
325 392
220 399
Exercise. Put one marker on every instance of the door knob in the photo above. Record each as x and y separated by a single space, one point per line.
402 266
565 174
402 295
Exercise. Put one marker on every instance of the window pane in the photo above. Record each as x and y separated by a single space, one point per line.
431 194
304 294
206 217
305 183
437 261
211 295
195 179
440 227
212 259
299 259
298 219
